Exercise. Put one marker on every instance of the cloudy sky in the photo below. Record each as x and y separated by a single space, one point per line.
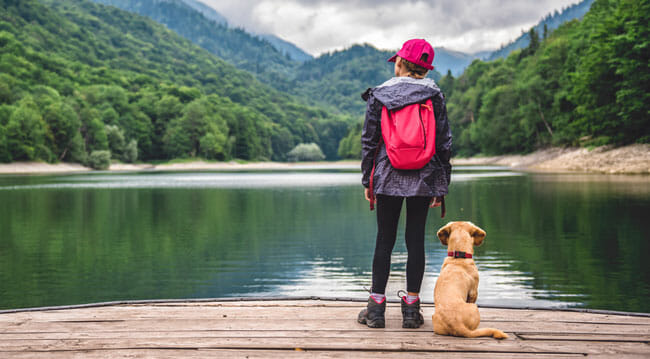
319 26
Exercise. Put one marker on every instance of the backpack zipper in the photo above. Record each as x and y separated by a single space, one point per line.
424 132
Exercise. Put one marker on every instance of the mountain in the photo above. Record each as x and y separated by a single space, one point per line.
78 78
333 80
292 51
235 45
455 61
551 21
207 11
289 49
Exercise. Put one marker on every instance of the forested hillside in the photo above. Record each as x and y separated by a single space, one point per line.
587 83
550 22
78 78
333 80
236 46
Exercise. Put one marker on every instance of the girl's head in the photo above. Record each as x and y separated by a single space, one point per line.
405 67
414 59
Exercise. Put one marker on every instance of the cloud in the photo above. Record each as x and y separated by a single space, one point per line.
321 26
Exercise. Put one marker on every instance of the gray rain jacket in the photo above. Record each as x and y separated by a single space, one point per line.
431 180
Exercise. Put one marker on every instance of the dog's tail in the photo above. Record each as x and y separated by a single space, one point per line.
484 332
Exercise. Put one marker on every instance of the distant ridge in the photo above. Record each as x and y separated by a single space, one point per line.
244 50
285 47
207 11
294 52
552 22
455 61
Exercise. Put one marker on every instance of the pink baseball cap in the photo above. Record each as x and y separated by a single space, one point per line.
414 50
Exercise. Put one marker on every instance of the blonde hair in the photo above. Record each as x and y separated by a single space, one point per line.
415 71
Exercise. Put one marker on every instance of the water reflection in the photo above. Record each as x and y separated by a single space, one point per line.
232 180
553 240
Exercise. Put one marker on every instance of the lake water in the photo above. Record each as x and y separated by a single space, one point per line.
553 240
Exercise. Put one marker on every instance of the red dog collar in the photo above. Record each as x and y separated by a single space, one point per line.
459 254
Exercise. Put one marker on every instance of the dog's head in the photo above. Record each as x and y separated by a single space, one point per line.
461 231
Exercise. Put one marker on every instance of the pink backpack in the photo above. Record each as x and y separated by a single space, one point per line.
410 135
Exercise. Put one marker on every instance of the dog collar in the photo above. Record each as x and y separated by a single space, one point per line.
459 254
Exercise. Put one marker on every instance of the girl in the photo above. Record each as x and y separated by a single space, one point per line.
422 188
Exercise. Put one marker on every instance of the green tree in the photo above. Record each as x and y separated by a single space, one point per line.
306 152
130 154
99 160
446 84
64 123
612 90
183 137
282 142
116 140
27 134
8 86
350 145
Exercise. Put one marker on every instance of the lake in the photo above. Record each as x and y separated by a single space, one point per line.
553 240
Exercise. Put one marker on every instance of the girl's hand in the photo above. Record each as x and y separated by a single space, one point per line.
435 202
366 193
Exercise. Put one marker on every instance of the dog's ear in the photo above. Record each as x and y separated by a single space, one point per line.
443 233
478 234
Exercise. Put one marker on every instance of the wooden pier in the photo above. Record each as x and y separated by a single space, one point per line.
306 328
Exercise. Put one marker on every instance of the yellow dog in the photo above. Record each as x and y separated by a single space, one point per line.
457 286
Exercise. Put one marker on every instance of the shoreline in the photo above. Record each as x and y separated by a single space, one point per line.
631 159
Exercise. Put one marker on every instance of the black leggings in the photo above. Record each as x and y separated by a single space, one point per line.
388 211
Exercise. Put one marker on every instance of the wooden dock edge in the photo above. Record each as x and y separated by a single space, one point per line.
299 298
322 327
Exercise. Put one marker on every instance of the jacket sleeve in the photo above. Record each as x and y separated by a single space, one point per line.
370 136
443 135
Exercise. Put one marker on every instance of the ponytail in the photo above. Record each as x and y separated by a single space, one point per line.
415 71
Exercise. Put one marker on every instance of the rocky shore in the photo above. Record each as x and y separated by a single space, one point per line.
632 159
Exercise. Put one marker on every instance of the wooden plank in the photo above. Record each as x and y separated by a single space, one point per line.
132 334
395 334
304 311
431 344
268 354
316 312
347 323
599 337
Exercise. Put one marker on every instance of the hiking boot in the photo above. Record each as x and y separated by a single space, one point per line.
411 315
373 314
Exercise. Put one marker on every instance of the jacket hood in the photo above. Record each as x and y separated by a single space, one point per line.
401 91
